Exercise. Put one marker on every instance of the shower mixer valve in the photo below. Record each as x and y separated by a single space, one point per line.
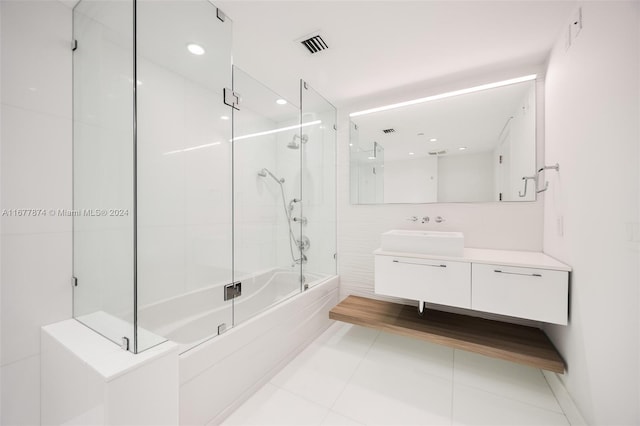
302 220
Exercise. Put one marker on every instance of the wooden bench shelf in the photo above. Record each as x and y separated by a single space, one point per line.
511 342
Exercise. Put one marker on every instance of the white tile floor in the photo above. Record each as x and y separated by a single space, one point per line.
353 375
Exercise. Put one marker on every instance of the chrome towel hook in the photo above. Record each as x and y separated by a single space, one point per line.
555 167
526 180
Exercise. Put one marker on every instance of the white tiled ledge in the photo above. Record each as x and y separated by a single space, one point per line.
524 259
102 355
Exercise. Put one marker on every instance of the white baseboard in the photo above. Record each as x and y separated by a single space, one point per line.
564 399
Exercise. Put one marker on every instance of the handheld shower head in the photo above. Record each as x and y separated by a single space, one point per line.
264 172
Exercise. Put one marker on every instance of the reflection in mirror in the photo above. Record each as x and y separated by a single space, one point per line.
473 147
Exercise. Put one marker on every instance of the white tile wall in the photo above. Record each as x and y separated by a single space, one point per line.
36 173
21 392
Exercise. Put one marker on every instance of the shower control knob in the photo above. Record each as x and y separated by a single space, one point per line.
439 219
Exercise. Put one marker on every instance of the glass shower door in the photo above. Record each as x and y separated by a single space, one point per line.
152 171
104 168
318 170
184 174
266 159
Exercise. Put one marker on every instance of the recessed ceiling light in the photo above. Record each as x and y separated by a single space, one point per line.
196 49
462 148
224 117
281 102
433 140
411 153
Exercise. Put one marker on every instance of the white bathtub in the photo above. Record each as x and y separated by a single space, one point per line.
218 374
192 318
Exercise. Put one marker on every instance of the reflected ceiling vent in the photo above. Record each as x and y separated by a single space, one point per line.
314 42
444 151
389 130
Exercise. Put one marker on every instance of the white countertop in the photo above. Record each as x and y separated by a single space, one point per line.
525 259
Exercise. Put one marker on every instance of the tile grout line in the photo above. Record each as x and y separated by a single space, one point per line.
36 111
354 371
565 401
499 395
453 381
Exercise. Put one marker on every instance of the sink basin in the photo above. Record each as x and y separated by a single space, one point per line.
424 242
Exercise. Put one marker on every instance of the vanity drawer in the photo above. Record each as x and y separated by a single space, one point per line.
537 294
435 281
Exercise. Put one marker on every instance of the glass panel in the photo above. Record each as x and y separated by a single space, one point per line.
478 146
366 168
266 158
103 168
184 173
318 185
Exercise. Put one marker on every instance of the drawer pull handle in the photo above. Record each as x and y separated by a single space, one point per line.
516 273
420 264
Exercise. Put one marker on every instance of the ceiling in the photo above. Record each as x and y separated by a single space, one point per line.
377 46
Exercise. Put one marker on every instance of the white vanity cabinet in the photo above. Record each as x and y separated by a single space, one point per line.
436 281
519 284
532 293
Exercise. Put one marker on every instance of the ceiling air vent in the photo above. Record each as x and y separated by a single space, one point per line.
388 130
444 151
314 44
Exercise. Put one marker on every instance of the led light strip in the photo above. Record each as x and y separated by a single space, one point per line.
446 95
268 132
282 129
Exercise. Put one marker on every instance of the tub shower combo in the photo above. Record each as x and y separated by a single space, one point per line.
214 198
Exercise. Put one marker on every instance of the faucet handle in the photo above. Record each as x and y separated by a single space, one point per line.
413 218
425 219
439 219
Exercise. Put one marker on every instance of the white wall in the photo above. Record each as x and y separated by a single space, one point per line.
592 131
412 180
36 173
465 177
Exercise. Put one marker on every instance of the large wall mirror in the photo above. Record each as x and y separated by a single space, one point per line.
475 145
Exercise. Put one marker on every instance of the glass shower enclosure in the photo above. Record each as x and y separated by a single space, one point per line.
200 196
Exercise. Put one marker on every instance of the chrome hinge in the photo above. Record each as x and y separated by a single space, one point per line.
335 127
74 282
233 290
305 85
222 328
74 45
220 14
231 98
125 343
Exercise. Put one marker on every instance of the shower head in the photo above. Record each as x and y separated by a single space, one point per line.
264 172
294 143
